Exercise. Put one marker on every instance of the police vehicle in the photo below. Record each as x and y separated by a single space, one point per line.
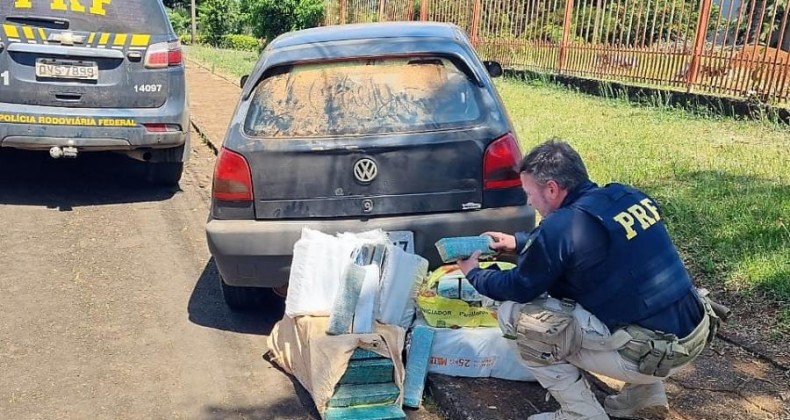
94 75
395 126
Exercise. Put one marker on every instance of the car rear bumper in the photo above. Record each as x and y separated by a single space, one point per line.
90 129
258 253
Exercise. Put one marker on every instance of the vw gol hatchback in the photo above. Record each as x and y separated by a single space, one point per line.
94 75
349 128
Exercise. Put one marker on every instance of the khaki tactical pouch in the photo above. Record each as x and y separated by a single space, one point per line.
547 332
657 353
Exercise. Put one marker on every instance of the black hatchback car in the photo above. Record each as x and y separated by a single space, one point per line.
350 128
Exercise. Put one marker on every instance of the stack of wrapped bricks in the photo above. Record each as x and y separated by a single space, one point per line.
366 391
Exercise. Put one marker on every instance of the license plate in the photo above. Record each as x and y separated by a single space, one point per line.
75 70
403 239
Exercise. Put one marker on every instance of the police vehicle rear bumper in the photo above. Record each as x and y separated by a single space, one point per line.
90 129
98 141
258 253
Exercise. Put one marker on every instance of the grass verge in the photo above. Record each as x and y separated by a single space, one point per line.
724 184
231 63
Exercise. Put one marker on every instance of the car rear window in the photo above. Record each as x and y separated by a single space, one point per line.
119 16
359 97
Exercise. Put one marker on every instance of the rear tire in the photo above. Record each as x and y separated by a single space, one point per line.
164 173
246 298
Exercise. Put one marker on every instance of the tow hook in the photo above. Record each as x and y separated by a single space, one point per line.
58 152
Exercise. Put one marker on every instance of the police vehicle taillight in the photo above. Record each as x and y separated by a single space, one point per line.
163 54
500 163
161 128
232 179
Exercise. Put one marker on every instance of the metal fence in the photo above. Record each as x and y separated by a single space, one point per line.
723 47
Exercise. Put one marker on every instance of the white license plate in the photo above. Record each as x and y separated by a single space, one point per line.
403 239
85 71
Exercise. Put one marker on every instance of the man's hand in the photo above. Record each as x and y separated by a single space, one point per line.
468 264
502 242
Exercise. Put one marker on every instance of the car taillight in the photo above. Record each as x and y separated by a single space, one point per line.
500 162
163 54
232 179
162 128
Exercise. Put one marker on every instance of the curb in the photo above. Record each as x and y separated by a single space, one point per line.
749 348
455 399
211 143
445 402
203 136
220 75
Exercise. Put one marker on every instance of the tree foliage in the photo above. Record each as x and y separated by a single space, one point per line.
180 19
217 18
771 28
271 18
597 21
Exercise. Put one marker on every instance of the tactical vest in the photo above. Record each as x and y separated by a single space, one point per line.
647 274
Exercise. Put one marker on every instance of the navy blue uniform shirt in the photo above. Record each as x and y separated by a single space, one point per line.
564 256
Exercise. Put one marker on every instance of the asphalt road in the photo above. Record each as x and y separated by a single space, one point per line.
110 303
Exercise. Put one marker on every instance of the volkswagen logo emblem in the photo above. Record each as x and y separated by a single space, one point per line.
365 170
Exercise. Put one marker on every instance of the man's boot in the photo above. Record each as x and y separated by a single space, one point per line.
577 402
639 402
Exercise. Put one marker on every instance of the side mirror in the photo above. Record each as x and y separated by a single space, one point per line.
494 68
243 80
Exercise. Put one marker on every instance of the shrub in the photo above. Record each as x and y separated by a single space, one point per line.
240 42
186 39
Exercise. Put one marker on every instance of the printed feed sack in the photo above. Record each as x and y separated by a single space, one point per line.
448 300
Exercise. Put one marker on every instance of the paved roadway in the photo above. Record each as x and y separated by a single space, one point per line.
110 303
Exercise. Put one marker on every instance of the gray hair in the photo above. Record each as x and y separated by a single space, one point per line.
555 160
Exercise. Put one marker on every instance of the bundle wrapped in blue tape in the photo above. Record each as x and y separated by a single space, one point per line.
462 247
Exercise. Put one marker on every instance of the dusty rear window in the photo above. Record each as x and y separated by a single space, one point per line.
391 95
116 16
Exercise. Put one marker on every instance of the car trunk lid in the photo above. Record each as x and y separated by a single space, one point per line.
407 175
366 138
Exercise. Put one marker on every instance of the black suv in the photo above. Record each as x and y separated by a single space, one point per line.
349 128
94 75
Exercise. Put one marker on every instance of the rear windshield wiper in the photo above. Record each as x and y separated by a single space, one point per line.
40 21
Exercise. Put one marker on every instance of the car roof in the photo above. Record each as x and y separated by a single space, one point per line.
367 31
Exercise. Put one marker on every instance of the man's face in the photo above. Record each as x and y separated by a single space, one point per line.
545 198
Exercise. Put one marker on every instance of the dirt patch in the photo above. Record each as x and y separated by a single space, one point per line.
212 100
755 325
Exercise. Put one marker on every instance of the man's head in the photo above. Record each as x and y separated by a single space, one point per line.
549 172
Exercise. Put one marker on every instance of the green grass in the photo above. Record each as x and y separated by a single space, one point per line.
231 63
724 184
